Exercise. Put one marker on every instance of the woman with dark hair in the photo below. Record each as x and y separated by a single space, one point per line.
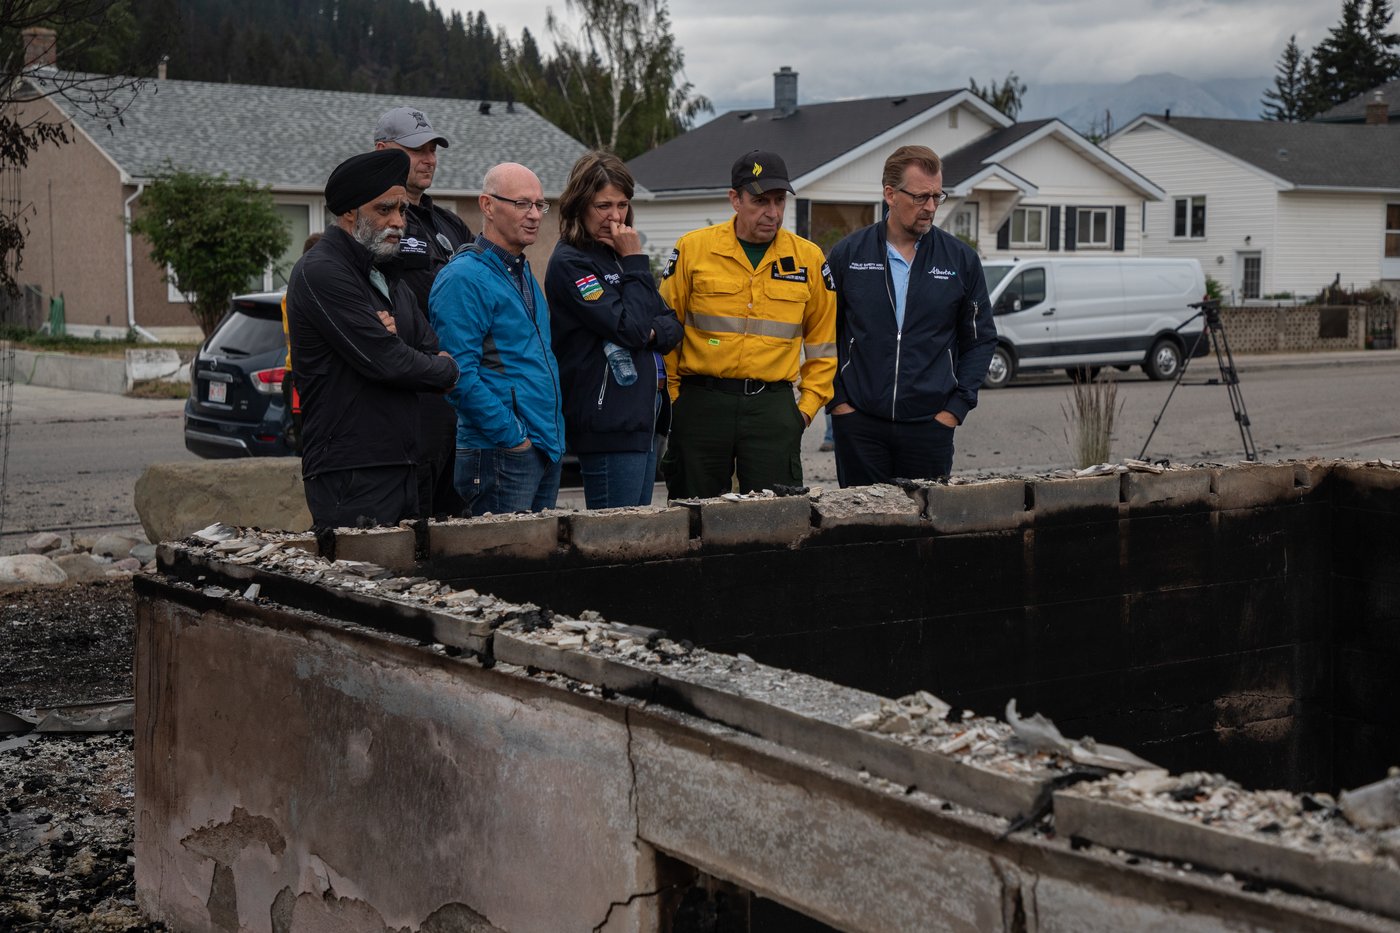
610 328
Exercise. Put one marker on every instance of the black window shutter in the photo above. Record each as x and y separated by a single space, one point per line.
804 218
1071 227
1004 234
1120 223
1054 227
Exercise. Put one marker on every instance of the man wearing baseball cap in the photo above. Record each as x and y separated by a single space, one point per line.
759 352
432 236
362 353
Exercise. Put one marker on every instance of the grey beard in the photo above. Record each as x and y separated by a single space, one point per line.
366 236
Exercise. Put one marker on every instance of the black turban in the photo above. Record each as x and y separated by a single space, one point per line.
364 177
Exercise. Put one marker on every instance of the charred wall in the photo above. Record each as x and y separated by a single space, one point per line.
1238 621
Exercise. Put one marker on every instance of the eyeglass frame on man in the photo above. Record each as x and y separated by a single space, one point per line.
938 197
523 204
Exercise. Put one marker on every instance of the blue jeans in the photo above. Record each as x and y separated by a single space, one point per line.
494 480
618 477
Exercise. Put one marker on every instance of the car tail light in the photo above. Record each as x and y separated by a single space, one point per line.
269 381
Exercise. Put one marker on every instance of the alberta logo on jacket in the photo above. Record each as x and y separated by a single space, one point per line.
943 275
589 288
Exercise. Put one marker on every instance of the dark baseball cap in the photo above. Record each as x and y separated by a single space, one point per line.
408 127
757 171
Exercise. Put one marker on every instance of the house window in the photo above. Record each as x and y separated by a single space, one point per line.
1190 217
1028 228
964 224
1392 231
1094 228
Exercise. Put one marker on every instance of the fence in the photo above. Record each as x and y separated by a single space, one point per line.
28 309
1309 328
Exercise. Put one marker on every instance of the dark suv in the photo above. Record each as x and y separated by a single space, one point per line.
236 407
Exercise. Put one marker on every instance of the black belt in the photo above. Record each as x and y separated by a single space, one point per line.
734 386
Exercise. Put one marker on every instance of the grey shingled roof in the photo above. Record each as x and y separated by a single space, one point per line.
291 138
813 136
970 159
1334 155
1354 110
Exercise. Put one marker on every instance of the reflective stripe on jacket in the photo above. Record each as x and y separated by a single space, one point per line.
775 323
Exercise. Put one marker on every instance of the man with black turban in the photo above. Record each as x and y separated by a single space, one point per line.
361 352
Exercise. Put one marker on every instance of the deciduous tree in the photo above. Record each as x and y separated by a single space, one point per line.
212 235
615 80
34 95
1006 97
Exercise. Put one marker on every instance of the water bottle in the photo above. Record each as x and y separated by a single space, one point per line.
620 362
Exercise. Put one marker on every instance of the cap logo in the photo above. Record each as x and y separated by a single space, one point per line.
422 120
757 170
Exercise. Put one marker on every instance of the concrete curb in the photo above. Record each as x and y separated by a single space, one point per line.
98 374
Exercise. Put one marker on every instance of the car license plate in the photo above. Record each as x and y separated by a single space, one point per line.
218 391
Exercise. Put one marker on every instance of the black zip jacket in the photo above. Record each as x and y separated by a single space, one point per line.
596 296
432 236
359 383
939 359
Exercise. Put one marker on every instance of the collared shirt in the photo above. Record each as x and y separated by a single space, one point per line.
515 264
899 279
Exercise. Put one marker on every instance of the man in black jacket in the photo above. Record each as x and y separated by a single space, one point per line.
914 333
433 235
362 352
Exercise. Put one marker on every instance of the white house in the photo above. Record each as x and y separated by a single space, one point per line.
1271 208
1015 188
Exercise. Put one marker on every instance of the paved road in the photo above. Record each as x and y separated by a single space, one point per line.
73 457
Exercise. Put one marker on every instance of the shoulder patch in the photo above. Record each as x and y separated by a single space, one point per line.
670 269
589 288
827 277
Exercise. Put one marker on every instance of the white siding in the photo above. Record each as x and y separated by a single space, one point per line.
1323 235
1065 179
1240 203
662 223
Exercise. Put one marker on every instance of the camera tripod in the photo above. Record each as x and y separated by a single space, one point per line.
1215 328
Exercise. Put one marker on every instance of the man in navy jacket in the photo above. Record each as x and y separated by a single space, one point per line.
914 333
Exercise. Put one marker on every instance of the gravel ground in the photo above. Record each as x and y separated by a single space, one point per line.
65 800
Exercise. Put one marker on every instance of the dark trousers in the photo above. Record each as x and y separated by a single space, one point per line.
437 458
362 497
873 450
715 433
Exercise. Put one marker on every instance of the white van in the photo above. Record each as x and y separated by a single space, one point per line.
1086 313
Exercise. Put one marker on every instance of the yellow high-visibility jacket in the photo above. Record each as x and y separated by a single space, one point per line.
772 323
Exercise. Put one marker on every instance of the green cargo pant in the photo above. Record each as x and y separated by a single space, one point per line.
715 433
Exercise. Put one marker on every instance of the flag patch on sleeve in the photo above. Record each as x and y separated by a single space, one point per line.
589 288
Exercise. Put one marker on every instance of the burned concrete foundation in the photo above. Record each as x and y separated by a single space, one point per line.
328 751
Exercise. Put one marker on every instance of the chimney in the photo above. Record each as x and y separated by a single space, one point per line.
160 68
40 47
785 92
1377 110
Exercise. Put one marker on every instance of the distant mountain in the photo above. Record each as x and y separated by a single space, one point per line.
1083 105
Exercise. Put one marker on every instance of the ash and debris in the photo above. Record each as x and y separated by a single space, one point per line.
1312 823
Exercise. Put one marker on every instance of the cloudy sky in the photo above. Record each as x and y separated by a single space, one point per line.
843 49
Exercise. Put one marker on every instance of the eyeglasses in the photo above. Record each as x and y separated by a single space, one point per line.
523 205
921 199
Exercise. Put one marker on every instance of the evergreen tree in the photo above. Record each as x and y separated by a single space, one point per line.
1357 54
1288 100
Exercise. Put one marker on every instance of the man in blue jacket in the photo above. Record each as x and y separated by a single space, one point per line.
914 333
490 315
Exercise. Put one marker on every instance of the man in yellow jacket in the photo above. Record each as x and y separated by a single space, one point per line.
759 312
